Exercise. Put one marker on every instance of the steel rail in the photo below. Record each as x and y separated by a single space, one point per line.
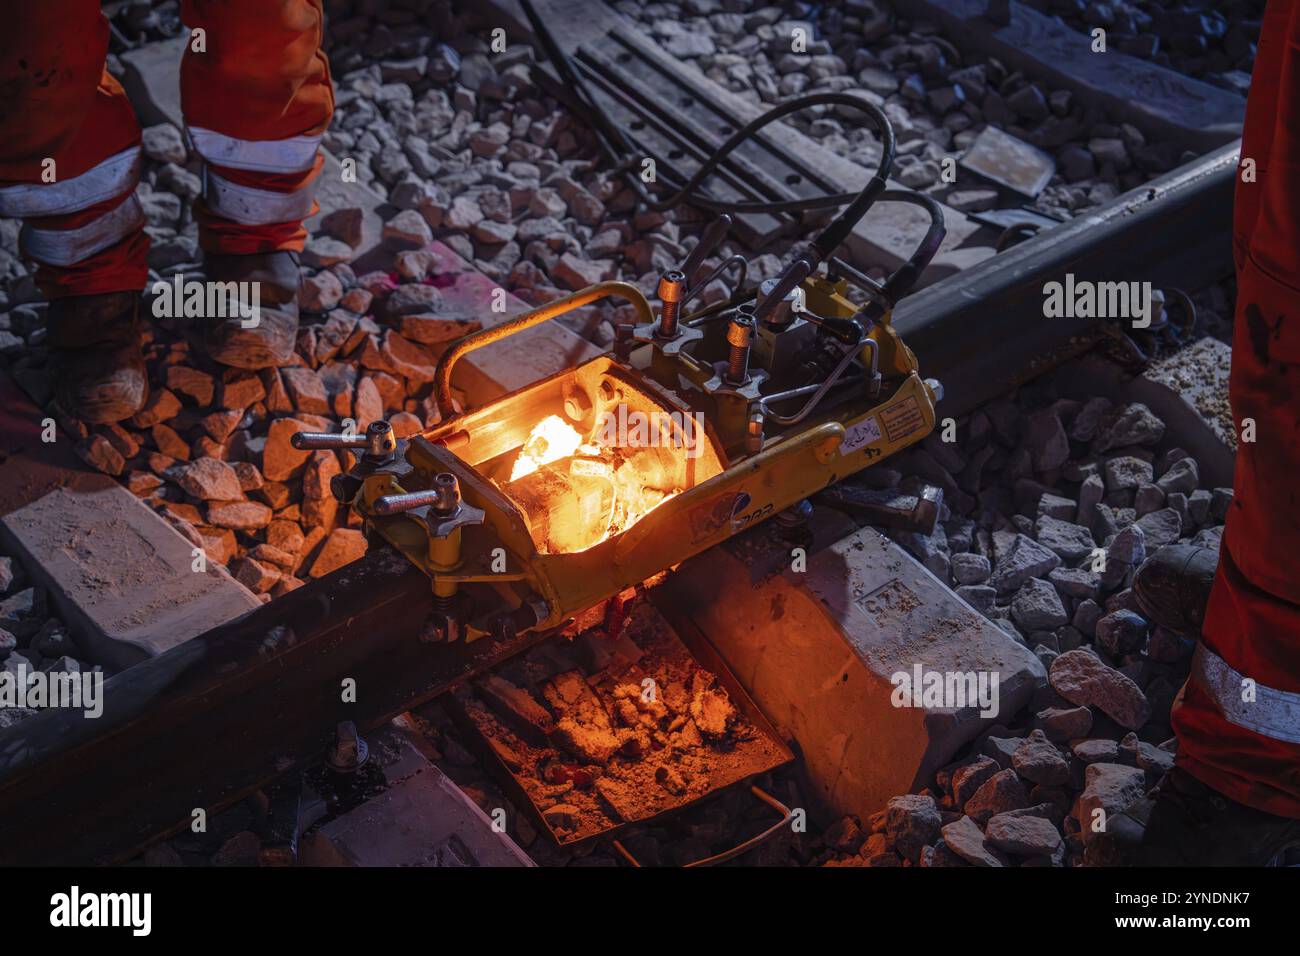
216 718
982 332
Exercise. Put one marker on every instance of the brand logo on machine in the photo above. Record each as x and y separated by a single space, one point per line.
946 689
1082 299
181 298
27 688
76 909
621 428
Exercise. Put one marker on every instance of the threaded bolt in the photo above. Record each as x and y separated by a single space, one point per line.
672 285
740 332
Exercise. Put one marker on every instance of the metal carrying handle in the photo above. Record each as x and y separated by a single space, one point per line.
786 816
470 343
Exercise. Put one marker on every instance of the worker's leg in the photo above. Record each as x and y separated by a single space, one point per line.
69 150
69 162
255 89
1238 719
256 102
1261 124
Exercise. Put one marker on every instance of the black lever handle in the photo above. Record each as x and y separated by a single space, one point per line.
711 239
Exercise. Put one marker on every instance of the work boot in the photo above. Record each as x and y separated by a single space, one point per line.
99 373
1172 587
1182 822
268 339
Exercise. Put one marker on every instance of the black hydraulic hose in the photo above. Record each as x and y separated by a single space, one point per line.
905 276
859 201
608 133
605 130
829 239
806 261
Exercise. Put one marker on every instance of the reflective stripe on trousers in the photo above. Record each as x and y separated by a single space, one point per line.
1271 712
255 207
110 178
67 247
296 154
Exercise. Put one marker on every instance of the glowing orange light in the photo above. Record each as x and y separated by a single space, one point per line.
605 489
552 439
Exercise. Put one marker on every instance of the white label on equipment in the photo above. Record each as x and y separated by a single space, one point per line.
863 433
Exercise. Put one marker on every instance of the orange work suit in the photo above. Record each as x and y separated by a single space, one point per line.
1238 717
256 97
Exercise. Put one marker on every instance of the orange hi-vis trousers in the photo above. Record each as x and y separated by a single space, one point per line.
1238 717
256 94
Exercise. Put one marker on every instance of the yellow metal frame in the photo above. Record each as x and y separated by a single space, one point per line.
744 493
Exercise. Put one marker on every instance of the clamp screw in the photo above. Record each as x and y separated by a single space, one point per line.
672 285
381 441
739 334
447 491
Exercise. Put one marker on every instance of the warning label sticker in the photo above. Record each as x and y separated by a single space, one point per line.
863 433
902 419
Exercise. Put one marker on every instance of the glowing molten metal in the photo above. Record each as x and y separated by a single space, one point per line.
578 493
552 439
